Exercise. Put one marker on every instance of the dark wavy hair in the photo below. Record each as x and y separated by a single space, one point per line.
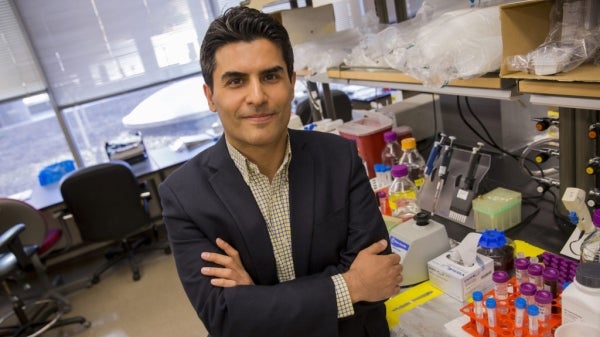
243 24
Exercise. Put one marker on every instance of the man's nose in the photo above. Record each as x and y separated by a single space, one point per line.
256 92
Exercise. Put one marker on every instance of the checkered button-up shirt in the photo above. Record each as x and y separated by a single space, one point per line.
273 201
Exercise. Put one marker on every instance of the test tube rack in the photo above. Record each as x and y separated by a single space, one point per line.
505 317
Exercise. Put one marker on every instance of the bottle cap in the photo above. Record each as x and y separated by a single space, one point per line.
533 310
588 274
520 303
596 217
492 238
409 143
535 269
528 288
490 303
522 263
390 136
500 276
543 297
550 274
477 295
400 170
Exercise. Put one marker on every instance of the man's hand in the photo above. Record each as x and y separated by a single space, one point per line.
374 277
232 273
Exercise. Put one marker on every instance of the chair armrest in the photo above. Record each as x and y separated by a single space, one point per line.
11 234
11 241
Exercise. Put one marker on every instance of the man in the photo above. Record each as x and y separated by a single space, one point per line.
275 232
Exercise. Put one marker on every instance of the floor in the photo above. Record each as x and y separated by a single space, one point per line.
154 306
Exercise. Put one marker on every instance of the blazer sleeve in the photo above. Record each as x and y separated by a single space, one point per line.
302 307
359 213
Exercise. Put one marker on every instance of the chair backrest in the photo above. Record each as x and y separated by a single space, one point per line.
105 201
14 212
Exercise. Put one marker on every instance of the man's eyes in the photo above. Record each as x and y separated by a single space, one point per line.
239 81
233 82
271 77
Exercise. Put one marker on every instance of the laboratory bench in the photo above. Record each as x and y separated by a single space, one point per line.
430 312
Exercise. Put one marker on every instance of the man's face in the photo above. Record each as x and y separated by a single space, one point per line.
252 93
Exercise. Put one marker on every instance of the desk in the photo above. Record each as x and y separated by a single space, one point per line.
43 197
152 171
160 161
429 318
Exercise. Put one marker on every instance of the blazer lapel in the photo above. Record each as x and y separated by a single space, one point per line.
231 188
302 198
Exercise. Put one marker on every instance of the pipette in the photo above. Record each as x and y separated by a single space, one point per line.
443 171
461 203
433 155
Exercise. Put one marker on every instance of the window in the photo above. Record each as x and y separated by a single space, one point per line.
101 60
105 63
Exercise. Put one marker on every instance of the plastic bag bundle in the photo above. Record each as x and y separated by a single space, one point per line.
436 47
570 43
458 44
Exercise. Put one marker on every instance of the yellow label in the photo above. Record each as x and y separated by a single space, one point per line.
400 199
419 182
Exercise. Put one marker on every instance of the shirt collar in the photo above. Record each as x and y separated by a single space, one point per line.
245 165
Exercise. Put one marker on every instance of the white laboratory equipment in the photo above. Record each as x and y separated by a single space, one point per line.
417 241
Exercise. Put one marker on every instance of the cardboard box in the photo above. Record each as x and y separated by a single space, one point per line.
307 23
459 281
525 26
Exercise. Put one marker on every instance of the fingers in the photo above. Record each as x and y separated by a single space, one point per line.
217 258
222 277
229 271
227 248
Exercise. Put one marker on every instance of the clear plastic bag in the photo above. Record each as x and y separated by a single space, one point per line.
571 42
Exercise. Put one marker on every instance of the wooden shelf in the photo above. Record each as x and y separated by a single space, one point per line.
575 94
488 81
558 88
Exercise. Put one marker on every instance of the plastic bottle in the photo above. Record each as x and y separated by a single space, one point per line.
392 152
543 299
533 312
413 159
550 280
528 290
500 279
402 194
590 247
479 311
534 271
520 305
490 304
581 299
521 264
495 244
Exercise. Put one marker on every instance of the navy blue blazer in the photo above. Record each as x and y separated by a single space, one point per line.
333 214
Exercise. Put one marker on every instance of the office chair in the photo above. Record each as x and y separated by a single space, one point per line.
31 318
14 211
108 205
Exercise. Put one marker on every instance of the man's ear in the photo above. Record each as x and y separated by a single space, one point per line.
208 94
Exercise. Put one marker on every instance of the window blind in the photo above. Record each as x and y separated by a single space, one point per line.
18 72
92 49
